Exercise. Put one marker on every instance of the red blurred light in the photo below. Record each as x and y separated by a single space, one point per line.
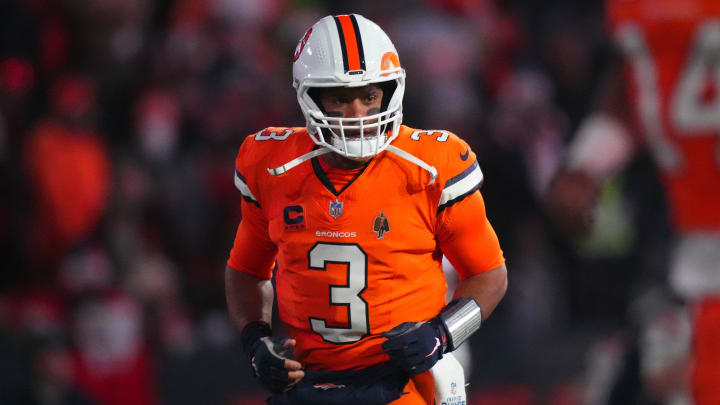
16 75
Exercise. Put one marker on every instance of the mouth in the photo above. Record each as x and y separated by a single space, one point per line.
355 134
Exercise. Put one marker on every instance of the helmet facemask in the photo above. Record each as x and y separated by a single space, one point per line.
354 137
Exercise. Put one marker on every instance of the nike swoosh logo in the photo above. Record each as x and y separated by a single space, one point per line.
437 346
465 155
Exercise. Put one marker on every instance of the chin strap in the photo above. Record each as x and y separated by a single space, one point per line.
412 159
289 165
321 151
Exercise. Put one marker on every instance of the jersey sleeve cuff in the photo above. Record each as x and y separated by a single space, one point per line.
461 186
467 273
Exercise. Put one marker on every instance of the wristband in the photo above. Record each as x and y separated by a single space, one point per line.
253 332
460 319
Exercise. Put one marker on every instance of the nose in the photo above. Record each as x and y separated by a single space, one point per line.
356 109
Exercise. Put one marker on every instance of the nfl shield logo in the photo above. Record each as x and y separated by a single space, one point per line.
336 208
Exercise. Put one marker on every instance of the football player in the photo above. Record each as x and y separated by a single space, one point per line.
665 85
357 211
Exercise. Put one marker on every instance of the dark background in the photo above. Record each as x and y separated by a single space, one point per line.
119 124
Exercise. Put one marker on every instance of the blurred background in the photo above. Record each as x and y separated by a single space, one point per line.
119 124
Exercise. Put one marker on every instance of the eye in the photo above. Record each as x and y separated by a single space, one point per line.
334 101
372 97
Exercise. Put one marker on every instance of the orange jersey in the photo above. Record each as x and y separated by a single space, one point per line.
670 46
355 262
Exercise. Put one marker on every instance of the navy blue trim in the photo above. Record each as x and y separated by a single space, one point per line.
241 176
250 200
322 176
246 198
462 175
458 199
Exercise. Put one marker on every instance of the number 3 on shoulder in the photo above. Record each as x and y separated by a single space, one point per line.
442 136
266 134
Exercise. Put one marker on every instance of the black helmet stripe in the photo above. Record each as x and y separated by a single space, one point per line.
350 42
361 52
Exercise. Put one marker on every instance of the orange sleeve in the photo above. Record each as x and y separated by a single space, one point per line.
253 252
467 238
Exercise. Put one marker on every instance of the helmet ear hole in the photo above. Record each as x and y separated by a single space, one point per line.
388 89
314 94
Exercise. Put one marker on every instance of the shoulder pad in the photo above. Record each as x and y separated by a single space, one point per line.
262 150
459 173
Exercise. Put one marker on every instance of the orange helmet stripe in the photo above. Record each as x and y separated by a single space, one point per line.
350 42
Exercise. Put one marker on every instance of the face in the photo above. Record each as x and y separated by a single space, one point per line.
352 102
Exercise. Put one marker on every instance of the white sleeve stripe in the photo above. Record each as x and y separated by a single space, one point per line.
243 187
461 186
462 175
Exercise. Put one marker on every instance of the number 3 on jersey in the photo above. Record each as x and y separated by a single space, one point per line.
348 295
266 134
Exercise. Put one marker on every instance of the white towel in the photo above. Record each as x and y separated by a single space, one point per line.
449 378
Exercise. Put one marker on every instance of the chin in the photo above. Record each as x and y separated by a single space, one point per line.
359 159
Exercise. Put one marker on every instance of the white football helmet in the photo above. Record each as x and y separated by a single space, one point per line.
349 51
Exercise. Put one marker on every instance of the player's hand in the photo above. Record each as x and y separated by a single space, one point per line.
415 346
273 365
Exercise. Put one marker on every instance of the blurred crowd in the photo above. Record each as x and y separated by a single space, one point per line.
119 124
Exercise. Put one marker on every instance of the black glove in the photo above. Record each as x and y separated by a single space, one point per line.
267 356
415 346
